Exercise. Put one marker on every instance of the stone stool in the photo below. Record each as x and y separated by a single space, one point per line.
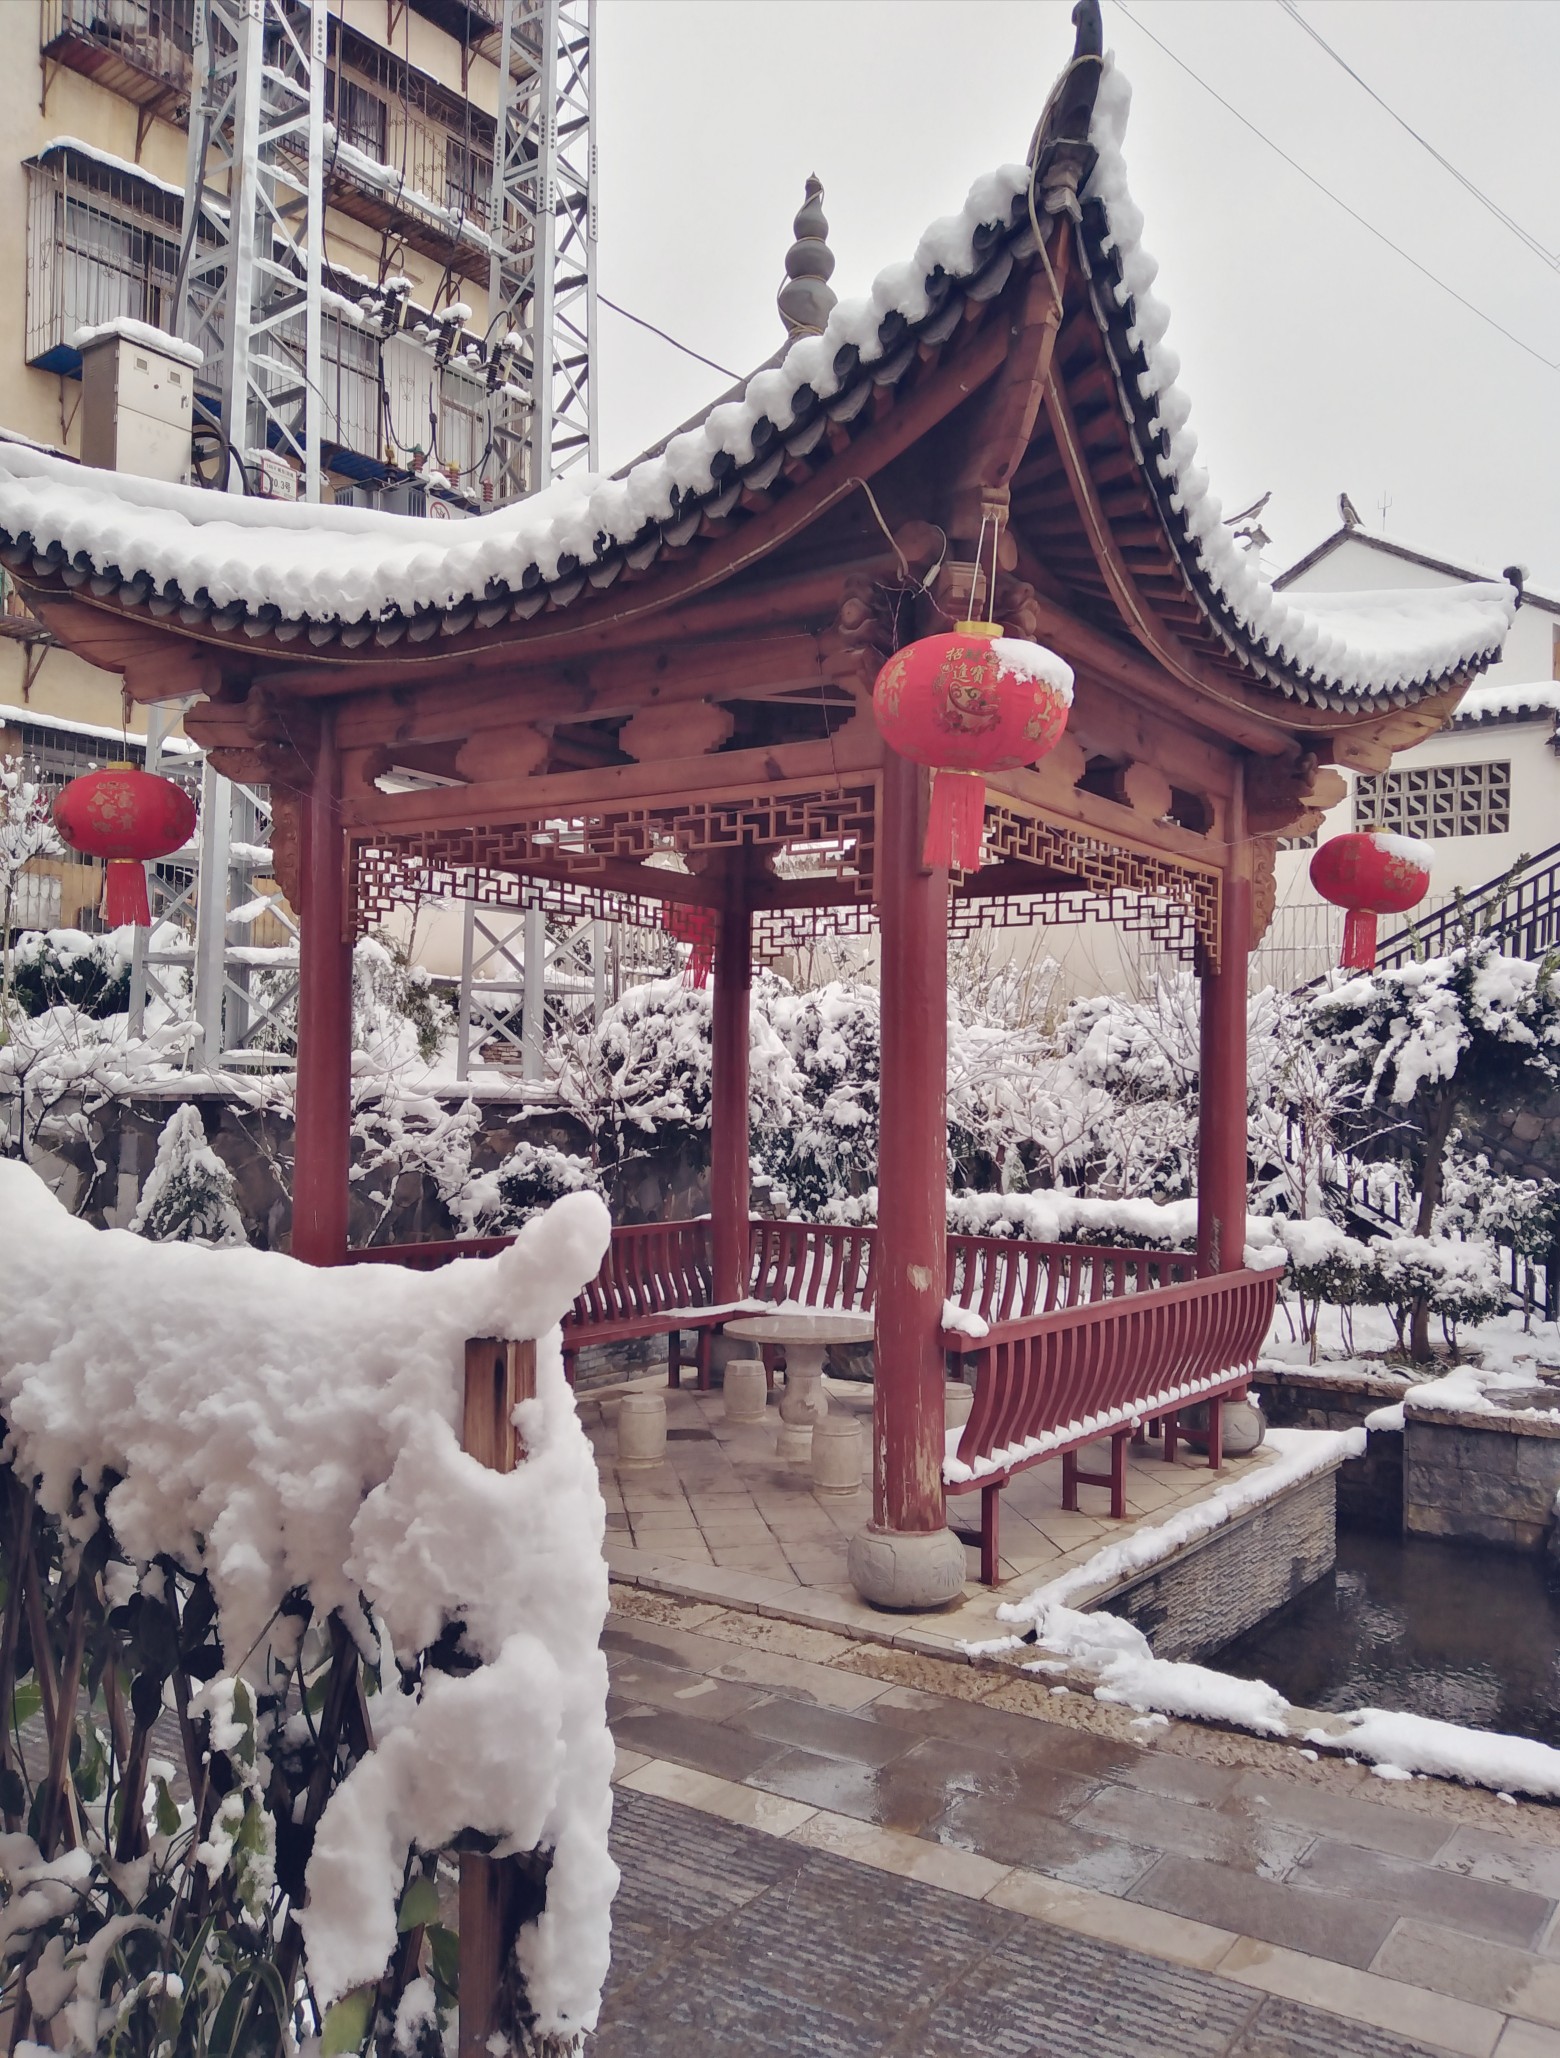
641 1431
836 1455
958 1400
746 1389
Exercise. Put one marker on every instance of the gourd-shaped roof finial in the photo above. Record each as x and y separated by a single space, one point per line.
806 299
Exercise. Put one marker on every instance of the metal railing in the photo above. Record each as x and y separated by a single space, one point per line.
1521 910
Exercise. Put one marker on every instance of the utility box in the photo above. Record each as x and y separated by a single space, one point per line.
137 400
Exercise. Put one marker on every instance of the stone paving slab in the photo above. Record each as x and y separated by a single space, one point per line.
725 1518
726 1939
1410 1908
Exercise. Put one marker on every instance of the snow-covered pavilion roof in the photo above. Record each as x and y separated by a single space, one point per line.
264 573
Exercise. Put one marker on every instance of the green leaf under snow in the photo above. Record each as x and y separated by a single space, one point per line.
419 1905
346 2025
167 1809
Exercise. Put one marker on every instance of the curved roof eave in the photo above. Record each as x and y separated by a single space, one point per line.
263 576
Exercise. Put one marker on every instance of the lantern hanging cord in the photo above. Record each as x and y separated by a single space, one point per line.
904 562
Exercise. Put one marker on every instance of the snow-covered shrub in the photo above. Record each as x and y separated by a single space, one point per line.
1459 1283
1416 1041
190 1195
250 1501
397 1016
67 968
26 832
530 1179
823 1145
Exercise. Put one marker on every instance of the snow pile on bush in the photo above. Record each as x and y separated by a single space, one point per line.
281 1427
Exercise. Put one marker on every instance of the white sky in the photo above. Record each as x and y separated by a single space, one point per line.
1317 360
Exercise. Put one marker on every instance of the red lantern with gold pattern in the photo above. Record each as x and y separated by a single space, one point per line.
1370 873
127 817
966 703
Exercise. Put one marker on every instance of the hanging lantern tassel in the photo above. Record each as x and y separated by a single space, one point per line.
124 894
1359 941
955 822
695 926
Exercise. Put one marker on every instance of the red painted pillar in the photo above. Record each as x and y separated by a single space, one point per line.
729 1187
323 1120
909 1558
1222 1089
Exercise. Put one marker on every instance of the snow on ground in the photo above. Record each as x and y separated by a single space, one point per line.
279 1426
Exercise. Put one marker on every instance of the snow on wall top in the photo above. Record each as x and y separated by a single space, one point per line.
1500 702
1347 644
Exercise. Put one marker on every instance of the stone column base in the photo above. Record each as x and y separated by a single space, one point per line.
909 1569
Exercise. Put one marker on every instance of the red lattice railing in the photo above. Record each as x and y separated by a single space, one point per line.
1077 1373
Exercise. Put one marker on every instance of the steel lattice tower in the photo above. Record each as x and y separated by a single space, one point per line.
542 287
249 268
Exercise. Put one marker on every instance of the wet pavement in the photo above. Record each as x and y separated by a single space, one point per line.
976 1874
725 1939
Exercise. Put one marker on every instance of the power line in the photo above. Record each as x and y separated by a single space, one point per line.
1550 257
1549 363
686 349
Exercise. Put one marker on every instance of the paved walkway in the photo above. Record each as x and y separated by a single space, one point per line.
725 1519
832 1846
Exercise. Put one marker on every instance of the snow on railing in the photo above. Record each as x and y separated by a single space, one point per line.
304 1587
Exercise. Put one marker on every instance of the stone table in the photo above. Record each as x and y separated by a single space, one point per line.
805 1339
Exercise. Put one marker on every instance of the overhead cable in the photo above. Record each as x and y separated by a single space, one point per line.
1550 363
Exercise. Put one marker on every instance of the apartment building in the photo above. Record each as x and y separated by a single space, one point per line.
95 100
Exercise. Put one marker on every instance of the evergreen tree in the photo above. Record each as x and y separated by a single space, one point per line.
190 1195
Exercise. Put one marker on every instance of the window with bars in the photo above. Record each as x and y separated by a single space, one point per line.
99 244
1436 801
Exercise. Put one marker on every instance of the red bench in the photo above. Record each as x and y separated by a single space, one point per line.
1080 1341
1049 1382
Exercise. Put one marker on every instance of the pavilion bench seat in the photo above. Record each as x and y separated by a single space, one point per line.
1064 1343
1049 1383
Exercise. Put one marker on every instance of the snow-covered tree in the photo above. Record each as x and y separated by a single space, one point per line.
190 1195
26 832
1417 1041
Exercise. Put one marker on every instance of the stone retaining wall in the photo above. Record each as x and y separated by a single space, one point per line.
1370 1489
1481 1478
1228 1582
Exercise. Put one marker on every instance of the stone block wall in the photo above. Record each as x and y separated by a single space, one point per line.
1370 1489
1480 1479
1227 1582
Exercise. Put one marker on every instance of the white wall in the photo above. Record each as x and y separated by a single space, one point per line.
1306 932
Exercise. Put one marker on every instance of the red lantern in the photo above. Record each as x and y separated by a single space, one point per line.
1370 873
693 925
126 816
967 703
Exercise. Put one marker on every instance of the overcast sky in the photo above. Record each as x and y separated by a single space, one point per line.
1317 359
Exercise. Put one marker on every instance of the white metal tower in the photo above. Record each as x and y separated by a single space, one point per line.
542 286
254 225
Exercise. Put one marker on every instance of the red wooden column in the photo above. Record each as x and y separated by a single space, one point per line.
729 1185
908 1557
1221 1127
323 1118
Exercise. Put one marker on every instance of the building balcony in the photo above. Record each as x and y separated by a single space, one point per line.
139 49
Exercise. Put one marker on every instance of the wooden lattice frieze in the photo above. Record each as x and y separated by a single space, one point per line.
1173 901
835 830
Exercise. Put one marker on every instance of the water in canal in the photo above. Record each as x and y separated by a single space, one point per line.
1470 1636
